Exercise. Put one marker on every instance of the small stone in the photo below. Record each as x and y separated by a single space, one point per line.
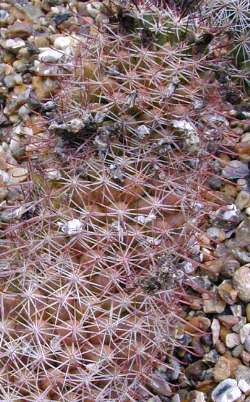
232 340
195 371
228 320
248 312
4 18
227 217
226 391
243 377
189 134
240 325
221 369
247 343
235 170
62 42
244 332
211 357
236 352
215 327
216 120
13 45
50 56
245 357
95 8
227 292
17 102
242 255
197 396
12 80
229 267
18 175
220 347
16 147
12 214
44 88
215 182
32 12
243 200
216 234
242 233
241 282
213 304
72 227
20 30
142 131
160 385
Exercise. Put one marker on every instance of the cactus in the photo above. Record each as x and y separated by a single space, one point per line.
94 255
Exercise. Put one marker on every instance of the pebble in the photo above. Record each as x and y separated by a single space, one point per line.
229 267
227 217
62 42
216 234
213 304
222 369
71 228
226 391
243 377
13 45
159 384
18 175
248 312
244 332
197 396
228 320
16 147
4 18
247 343
235 169
20 30
227 292
232 340
243 200
50 56
188 132
215 327
241 282
236 352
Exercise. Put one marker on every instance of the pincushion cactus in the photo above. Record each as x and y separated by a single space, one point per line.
94 262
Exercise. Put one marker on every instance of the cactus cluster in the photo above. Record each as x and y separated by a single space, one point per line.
96 255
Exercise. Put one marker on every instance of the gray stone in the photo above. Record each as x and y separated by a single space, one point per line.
243 378
50 56
4 18
232 340
235 170
13 45
226 391
247 343
244 332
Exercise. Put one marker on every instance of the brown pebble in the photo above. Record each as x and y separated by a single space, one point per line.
213 268
20 30
197 325
227 292
212 303
228 321
220 347
221 369
223 333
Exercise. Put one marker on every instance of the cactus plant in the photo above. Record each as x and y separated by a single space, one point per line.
94 254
